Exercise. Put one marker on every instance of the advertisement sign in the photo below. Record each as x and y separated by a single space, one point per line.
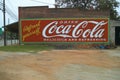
65 30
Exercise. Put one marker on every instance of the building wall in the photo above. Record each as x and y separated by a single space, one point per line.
113 24
45 12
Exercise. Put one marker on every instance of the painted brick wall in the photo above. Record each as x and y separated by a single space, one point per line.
45 12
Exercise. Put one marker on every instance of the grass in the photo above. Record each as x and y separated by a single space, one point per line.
25 48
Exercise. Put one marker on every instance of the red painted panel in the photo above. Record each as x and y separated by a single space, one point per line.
65 30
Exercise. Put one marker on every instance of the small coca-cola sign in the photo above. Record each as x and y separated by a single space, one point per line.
65 30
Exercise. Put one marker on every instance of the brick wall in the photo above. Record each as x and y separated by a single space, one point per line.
45 12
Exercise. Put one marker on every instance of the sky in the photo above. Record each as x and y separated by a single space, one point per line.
118 9
12 8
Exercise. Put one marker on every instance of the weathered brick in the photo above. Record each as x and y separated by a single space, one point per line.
45 12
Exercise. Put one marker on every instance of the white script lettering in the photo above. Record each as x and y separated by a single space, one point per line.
82 29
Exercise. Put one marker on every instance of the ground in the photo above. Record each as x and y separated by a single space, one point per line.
61 65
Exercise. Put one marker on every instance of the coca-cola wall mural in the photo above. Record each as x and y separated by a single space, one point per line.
65 30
